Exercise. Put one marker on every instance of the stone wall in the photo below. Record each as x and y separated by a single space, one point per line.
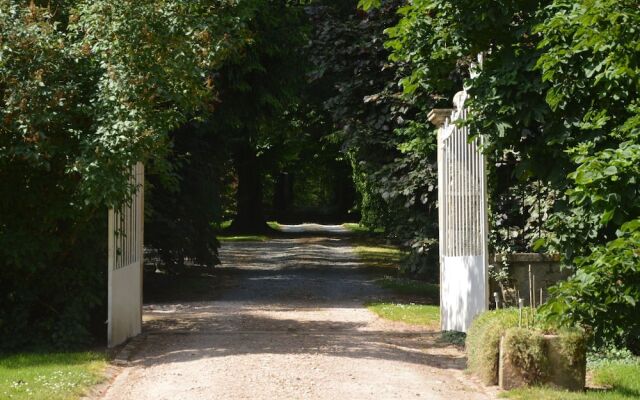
545 268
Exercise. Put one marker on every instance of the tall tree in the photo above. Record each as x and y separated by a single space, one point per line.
382 133
256 90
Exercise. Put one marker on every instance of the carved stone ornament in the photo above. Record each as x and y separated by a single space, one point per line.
437 116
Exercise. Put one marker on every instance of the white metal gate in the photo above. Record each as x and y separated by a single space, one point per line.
462 198
125 264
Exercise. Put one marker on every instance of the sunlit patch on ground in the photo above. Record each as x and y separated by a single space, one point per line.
49 375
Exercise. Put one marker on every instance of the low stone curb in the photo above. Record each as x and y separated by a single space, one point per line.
123 357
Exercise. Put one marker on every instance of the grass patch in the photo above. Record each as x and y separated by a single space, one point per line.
274 225
411 287
243 238
358 228
414 314
620 381
225 224
50 376
379 255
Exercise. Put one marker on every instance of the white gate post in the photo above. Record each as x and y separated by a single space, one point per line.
125 266
462 214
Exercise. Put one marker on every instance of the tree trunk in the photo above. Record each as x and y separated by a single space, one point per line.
250 216
283 195
344 193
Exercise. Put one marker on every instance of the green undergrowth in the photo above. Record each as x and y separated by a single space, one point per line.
414 314
526 350
616 380
525 345
409 295
378 255
605 355
50 375
362 229
274 225
453 337
483 340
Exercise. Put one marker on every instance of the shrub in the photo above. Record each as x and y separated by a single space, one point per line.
483 342
573 346
182 216
603 294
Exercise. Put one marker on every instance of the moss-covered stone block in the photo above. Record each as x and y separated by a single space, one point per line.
530 357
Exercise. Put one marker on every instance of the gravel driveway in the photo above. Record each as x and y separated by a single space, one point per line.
292 327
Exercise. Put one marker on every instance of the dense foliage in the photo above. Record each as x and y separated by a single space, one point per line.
218 167
382 134
88 89
184 207
556 97
593 66
258 91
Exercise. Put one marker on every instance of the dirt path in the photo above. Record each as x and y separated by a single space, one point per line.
294 327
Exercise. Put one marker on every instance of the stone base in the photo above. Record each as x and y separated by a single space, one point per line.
561 373
508 374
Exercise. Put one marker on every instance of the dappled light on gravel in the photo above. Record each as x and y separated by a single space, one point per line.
294 326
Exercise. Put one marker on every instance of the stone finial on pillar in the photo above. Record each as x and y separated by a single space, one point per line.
437 116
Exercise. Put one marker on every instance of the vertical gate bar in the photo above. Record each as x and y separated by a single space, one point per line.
459 216
132 210
461 191
141 236
451 204
127 242
476 232
440 203
454 187
110 269
136 216
460 183
457 176
465 177
478 196
447 185
441 242
120 242
463 182
451 188
123 234
467 190
470 212
485 222
125 253
470 191
134 213
469 201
